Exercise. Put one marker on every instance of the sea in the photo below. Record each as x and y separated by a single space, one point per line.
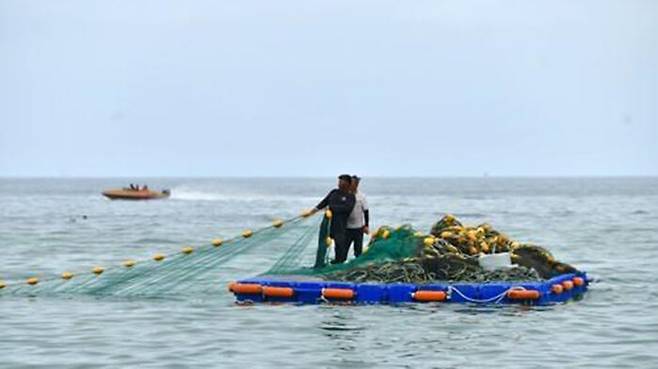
607 227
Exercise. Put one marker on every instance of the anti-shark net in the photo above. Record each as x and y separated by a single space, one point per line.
192 271
451 251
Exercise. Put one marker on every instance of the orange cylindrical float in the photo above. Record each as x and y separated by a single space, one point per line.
278 292
523 294
427 296
567 285
245 288
557 289
338 293
578 281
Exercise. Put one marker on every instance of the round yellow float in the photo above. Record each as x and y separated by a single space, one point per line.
129 263
277 223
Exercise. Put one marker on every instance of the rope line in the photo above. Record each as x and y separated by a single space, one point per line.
497 299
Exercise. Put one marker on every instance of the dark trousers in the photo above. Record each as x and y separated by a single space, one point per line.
354 236
341 246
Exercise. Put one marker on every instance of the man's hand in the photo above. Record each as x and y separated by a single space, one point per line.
366 230
309 212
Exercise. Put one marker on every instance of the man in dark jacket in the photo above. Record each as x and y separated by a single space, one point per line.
341 202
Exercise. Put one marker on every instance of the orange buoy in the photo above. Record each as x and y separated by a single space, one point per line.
247 233
578 281
67 275
158 257
557 289
428 296
277 223
245 288
278 292
98 270
338 293
523 294
32 281
217 242
567 285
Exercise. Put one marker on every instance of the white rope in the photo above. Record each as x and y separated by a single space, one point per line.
497 298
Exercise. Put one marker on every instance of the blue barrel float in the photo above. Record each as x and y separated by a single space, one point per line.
289 290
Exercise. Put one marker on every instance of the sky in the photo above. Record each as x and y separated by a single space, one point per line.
315 88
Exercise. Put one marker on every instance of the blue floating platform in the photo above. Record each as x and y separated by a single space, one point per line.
301 290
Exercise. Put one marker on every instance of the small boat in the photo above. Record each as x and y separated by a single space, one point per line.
131 194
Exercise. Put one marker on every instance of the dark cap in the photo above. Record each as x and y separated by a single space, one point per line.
356 178
345 177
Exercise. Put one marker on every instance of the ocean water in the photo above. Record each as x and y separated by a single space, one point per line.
606 226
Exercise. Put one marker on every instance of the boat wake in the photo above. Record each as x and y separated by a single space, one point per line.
187 194
191 195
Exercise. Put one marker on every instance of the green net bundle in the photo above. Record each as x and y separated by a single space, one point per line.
450 252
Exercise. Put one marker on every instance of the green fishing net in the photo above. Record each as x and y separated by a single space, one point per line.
192 271
449 252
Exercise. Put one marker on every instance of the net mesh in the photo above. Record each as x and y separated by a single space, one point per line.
449 252
387 245
189 272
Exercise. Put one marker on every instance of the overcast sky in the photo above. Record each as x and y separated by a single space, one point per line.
278 88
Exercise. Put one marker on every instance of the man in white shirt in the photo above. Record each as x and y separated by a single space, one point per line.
358 220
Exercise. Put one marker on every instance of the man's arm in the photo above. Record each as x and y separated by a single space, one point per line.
366 215
324 203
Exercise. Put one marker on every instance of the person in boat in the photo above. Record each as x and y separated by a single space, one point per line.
358 220
145 188
341 202
132 187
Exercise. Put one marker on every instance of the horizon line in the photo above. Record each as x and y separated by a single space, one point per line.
592 176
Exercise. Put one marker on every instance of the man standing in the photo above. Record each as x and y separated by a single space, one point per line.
341 202
359 219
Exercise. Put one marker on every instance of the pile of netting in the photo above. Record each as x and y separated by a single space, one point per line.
450 252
